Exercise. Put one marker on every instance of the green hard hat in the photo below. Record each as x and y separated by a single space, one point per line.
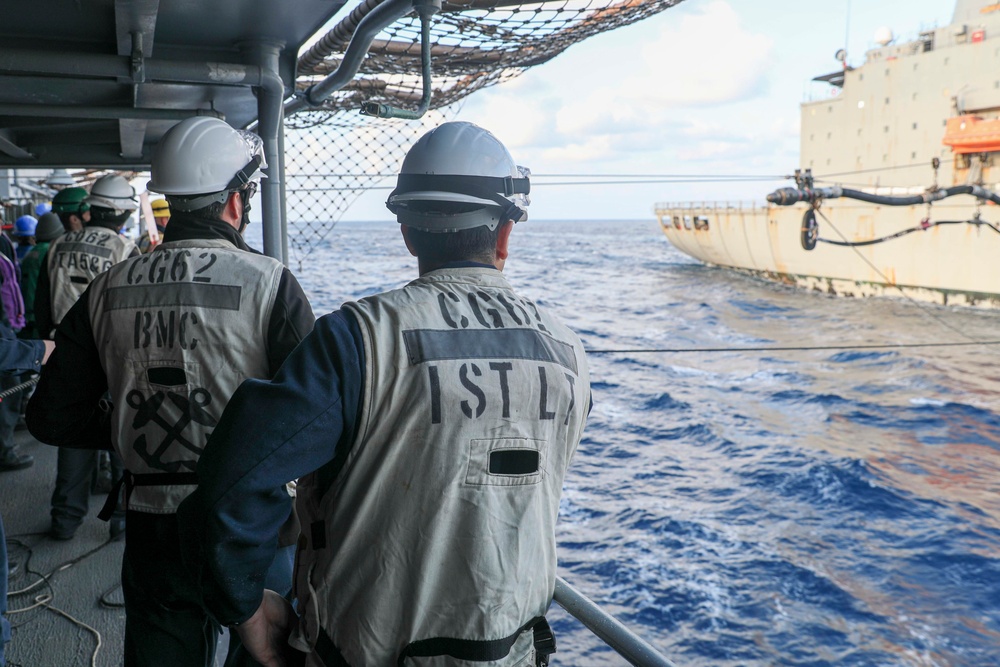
70 200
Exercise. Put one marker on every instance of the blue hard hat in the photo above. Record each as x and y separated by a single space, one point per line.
42 209
25 226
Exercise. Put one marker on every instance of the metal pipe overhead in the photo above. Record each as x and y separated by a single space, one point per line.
92 65
270 124
336 37
102 113
382 16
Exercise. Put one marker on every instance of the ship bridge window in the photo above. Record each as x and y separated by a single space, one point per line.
927 39
687 222
945 61
701 223
677 222
887 100
914 126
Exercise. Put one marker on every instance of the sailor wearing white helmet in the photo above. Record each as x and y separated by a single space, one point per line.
73 261
170 335
431 427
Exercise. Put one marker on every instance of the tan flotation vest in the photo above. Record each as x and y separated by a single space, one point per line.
76 258
179 329
441 521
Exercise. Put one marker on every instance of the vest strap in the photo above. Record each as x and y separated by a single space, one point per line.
462 649
475 650
130 481
327 651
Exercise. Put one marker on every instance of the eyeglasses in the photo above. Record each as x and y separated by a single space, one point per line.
247 193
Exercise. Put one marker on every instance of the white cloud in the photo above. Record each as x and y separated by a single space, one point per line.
705 58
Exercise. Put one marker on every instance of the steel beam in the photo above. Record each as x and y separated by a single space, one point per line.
132 134
10 148
101 113
95 65
132 17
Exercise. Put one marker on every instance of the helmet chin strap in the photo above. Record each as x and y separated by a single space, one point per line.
245 214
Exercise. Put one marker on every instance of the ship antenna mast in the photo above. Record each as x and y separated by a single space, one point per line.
847 33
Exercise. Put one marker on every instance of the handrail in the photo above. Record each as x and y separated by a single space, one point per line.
628 645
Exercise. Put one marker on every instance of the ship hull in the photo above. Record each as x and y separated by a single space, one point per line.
954 264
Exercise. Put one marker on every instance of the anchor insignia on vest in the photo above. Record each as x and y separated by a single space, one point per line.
192 408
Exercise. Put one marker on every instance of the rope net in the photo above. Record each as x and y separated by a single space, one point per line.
333 154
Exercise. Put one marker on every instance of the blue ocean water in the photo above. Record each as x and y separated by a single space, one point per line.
830 507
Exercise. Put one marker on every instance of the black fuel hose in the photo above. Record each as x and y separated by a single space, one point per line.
789 196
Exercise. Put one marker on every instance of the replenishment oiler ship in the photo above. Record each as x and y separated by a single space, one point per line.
897 189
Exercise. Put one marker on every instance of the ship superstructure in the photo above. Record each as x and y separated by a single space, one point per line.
918 116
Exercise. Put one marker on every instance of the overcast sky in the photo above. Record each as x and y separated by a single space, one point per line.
707 87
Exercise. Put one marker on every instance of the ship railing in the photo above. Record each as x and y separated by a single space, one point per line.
609 629
718 206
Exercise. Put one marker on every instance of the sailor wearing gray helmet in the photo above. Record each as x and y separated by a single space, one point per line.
431 427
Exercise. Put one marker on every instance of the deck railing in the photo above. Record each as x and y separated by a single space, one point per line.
628 645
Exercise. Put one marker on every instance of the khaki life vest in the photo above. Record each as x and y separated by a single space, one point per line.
179 329
440 522
76 258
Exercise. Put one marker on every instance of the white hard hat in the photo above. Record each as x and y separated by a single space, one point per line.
114 192
459 163
60 177
202 155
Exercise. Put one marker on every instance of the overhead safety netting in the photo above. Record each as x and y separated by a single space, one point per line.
333 153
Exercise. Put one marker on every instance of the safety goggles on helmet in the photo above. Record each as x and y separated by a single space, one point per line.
459 176
502 198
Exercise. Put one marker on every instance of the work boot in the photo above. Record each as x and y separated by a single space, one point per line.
62 531
11 460
117 529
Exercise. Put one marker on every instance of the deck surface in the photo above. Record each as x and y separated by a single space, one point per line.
42 637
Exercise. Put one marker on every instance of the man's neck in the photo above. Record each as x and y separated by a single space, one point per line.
426 266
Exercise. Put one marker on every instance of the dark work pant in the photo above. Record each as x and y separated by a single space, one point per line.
74 473
10 410
4 625
165 623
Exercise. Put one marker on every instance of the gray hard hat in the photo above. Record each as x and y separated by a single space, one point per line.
49 228
459 163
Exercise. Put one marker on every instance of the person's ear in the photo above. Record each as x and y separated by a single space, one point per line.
405 231
233 211
503 239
